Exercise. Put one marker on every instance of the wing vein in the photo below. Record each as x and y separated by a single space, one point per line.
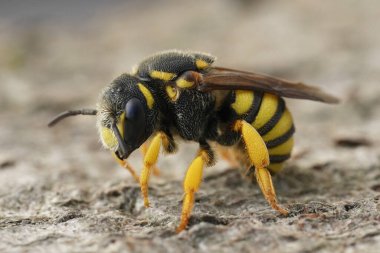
228 79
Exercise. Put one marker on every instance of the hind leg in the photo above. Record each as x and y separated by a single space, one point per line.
259 158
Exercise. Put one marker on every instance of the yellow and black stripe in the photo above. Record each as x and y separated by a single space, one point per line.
269 116
166 66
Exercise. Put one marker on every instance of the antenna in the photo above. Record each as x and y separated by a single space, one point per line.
69 113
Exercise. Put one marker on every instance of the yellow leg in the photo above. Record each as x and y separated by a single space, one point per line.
126 165
150 160
259 156
144 149
191 185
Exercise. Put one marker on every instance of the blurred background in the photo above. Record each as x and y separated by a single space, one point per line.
58 55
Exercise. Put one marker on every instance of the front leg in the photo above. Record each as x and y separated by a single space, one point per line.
126 165
150 159
259 157
192 182
144 149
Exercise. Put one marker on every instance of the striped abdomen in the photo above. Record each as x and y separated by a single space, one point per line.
269 116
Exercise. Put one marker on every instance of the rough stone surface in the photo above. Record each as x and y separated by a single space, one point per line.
60 192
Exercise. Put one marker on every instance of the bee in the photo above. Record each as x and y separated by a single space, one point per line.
181 95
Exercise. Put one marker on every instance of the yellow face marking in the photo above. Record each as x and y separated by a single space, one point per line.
283 125
282 149
172 92
267 110
243 101
184 84
165 76
147 94
201 64
108 137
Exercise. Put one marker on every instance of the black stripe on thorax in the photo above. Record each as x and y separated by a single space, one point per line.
275 118
255 108
281 139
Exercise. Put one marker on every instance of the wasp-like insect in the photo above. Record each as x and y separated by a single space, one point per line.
175 94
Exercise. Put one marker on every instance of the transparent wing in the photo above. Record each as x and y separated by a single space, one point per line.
218 78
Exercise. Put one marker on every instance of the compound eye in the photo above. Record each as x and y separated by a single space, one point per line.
135 122
134 110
